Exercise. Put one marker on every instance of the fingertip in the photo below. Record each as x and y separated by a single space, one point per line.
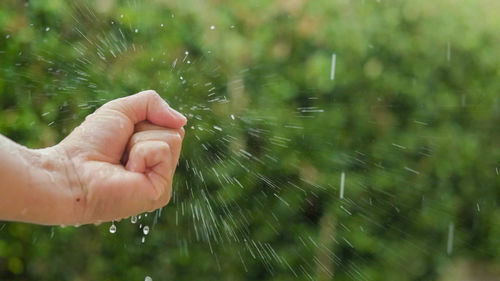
131 166
171 117
179 116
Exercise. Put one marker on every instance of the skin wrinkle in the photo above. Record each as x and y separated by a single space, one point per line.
147 169
154 170
177 136
144 136
83 191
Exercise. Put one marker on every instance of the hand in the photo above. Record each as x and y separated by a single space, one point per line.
119 164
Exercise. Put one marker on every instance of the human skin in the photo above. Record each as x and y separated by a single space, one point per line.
119 162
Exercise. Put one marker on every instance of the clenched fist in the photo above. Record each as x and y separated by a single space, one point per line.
119 162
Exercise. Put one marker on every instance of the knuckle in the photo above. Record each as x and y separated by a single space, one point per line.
139 148
164 148
115 104
178 138
150 93
134 139
165 199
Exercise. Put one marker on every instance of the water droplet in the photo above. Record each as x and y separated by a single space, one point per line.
186 52
148 278
112 228
7 36
143 239
145 230
332 69
232 116
212 27
47 28
121 16
133 219
136 30
161 25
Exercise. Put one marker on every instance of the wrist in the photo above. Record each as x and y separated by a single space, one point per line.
65 181
35 185
51 188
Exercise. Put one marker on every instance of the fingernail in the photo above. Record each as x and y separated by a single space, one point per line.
177 114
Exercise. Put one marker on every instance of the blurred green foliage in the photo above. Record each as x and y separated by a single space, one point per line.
412 118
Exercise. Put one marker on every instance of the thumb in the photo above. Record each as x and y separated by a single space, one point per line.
147 105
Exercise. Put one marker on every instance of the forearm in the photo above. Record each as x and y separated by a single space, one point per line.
33 185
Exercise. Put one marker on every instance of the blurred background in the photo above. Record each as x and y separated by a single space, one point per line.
327 140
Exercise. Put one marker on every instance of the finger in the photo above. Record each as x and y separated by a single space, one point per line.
147 105
166 135
172 136
126 193
147 126
152 159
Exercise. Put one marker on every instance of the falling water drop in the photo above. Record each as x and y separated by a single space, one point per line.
133 219
448 51
112 228
451 230
332 69
342 181
145 230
